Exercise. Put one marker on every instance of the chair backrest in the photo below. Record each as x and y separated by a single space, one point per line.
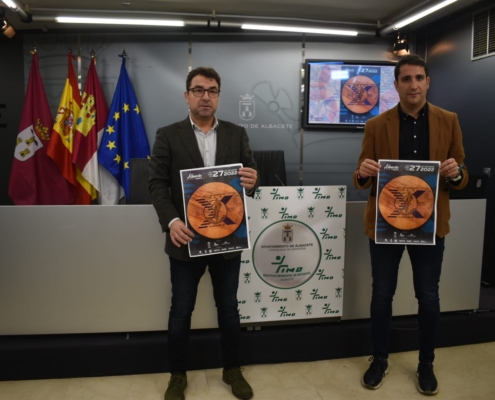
271 167
138 193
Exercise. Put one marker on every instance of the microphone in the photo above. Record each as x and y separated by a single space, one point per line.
280 180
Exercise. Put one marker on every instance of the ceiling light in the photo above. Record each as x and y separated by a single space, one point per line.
401 47
422 14
13 6
299 29
119 21
7 29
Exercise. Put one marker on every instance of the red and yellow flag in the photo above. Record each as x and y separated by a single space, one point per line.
61 143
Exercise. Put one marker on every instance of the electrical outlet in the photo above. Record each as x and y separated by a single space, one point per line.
487 171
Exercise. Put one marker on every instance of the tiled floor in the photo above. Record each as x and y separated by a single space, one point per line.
465 372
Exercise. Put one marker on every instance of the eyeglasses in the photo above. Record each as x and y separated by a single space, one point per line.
199 92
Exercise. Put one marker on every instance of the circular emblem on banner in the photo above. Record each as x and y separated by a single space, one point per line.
406 202
360 94
286 254
215 210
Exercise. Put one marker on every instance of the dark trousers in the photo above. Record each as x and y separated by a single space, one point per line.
185 277
426 265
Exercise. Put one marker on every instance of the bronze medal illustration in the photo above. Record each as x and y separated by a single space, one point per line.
360 94
406 202
215 210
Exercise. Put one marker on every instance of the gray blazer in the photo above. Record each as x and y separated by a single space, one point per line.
176 148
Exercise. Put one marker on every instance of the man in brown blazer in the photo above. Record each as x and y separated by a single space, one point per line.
201 140
413 130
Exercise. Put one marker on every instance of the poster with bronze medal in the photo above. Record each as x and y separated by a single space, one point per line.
215 209
406 202
360 93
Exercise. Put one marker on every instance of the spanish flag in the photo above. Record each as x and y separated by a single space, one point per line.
61 143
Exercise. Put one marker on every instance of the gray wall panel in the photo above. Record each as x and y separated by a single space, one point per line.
272 73
80 269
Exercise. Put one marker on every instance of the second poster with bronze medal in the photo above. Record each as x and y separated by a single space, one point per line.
406 202
215 209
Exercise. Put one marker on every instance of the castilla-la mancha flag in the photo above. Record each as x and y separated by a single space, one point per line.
35 178
61 143
89 130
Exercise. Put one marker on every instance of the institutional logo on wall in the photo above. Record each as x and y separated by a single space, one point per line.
271 255
257 297
246 107
247 277
264 213
299 295
257 194
264 312
309 309
338 292
341 192
300 193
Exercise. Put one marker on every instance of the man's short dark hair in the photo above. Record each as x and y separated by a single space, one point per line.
207 72
411 59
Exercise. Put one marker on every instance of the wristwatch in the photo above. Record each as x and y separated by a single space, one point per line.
459 174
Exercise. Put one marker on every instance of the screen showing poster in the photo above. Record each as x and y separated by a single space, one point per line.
215 209
406 202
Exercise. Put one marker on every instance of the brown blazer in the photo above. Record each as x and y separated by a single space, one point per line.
176 148
381 141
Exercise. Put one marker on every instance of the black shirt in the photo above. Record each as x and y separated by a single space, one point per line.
414 136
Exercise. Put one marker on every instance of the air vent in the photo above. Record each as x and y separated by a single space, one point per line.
484 34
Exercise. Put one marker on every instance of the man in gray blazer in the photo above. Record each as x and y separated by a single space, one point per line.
201 140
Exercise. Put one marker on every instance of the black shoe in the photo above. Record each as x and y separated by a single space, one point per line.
240 388
427 383
176 387
373 378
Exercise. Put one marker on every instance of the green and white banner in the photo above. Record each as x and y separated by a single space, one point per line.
295 269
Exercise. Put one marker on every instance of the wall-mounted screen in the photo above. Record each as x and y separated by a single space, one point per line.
345 94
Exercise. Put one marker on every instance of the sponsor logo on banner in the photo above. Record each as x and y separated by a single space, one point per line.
276 298
246 107
319 195
317 296
284 313
264 312
328 310
341 192
309 309
257 297
329 256
264 213
247 277
322 277
331 214
338 292
271 255
285 215
277 196
257 194
324 234
300 193
299 295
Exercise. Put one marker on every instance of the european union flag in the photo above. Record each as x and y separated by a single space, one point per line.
124 137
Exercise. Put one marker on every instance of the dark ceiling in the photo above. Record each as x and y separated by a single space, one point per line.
366 16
